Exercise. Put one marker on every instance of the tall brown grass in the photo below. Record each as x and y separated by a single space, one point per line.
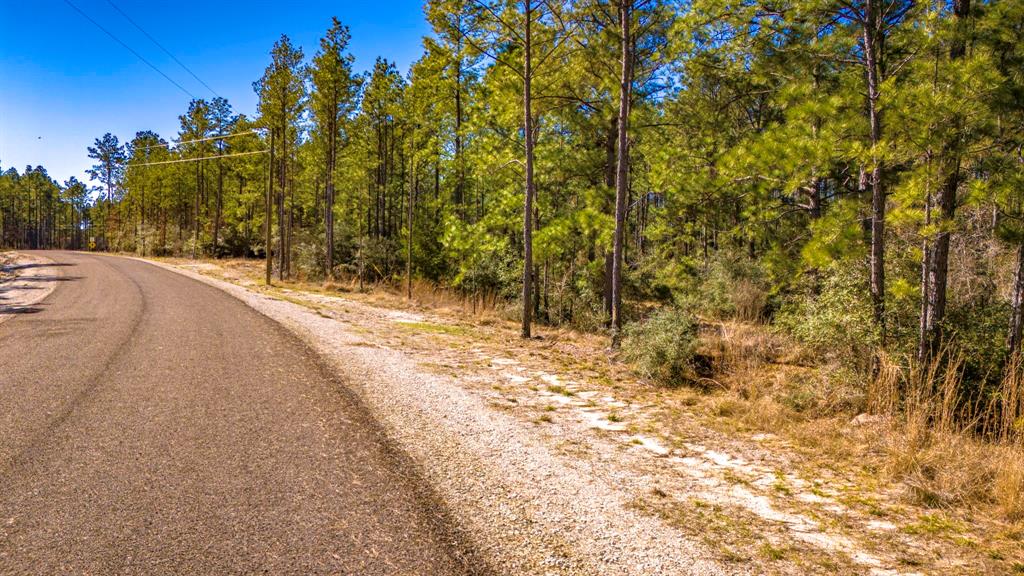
1010 423
749 299
883 391
432 295
950 449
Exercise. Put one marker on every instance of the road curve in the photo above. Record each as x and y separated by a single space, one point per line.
150 424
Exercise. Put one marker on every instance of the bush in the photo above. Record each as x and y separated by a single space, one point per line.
379 258
835 324
662 348
978 330
308 259
732 287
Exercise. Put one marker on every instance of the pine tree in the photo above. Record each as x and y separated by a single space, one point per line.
282 95
196 126
335 89
110 158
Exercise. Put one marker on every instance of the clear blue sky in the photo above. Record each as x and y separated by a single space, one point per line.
63 82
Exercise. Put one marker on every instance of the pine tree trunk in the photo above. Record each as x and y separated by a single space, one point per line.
195 224
622 169
528 202
936 261
284 224
142 221
609 181
872 52
460 171
107 207
936 266
329 200
412 199
218 208
269 215
282 246
290 190
1013 341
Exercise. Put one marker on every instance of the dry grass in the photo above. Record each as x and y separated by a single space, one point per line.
482 306
430 295
738 345
946 450
883 391
906 448
947 470
1010 422
1008 484
939 469
749 300
935 447
768 371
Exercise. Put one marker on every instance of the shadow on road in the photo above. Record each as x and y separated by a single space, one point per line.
21 283
49 278
15 309
35 265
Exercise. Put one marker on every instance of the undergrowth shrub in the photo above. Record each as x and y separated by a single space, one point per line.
497 272
378 258
835 323
309 258
978 330
662 348
732 287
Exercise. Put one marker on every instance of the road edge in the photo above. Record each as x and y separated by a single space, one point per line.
444 520
556 535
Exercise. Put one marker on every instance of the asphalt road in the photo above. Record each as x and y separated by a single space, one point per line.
150 424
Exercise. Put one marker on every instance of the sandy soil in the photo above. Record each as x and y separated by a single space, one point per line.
26 279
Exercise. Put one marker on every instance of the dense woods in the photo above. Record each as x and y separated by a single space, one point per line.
849 173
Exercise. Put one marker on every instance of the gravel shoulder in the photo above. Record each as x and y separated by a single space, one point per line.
524 506
26 280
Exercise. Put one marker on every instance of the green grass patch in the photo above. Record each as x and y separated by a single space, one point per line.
771 552
433 328
558 389
933 524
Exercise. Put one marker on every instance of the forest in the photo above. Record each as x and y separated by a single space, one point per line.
847 173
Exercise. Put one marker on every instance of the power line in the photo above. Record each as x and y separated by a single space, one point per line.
130 165
180 142
160 46
129 48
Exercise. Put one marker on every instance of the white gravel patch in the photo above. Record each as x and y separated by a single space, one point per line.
33 280
526 509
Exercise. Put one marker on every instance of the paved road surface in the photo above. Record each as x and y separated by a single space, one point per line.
150 424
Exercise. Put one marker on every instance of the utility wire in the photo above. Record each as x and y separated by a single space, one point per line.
160 46
128 48
179 143
130 165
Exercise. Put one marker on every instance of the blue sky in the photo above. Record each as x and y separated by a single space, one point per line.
63 82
